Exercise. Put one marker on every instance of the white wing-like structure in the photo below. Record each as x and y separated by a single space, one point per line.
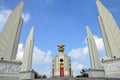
28 52
93 52
110 31
10 35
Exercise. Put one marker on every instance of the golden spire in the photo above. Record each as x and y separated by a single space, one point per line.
61 47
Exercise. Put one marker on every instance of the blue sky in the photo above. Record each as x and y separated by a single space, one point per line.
59 21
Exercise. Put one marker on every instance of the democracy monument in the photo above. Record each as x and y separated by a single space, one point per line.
61 66
105 69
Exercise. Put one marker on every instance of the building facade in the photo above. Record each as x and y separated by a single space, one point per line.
61 64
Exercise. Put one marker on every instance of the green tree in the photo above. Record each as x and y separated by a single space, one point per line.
44 76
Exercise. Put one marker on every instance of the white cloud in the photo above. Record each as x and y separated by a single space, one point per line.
20 52
100 44
80 54
26 16
77 67
4 13
40 57
77 53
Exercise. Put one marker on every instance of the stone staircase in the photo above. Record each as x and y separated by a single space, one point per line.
71 78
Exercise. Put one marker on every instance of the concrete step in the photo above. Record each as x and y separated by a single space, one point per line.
79 79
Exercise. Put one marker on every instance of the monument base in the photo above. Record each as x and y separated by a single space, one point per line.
58 76
27 75
112 67
9 70
96 73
